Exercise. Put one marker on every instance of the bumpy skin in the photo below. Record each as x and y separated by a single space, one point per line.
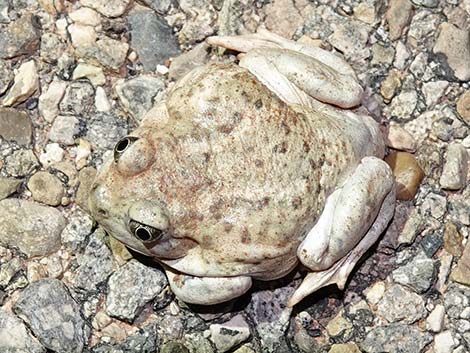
239 175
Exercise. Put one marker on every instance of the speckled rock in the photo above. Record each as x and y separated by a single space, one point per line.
131 287
461 272
109 8
418 274
33 228
398 17
20 163
46 188
463 106
344 348
104 130
400 304
64 129
137 95
185 62
15 337
454 172
197 343
408 174
19 38
53 316
85 179
456 300
435 320
230 333
79 226
15 126
78 98
403 105
200 20
26 82
453 239
395 338
174 347
454 44
49 100
6 75
107 52
160 6
152 39
95 265
390 85
8 186
283 17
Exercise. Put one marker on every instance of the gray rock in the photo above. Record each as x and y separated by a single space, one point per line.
46 188
456 300
184 63
95 265
8 271
160 6
173 347
33 228
104 130
426 3
230 334
8 186
398 17
20 163
85 179
131 287
152 38
197 343
15 126
454 172
109 8
395 338
4 8
400 304
403 105
418 274
19 38
78 99
454 44
14 336
52 47
137 95
78 228
6 75
64 129
200 20
351 38
53 316
270 315
107 52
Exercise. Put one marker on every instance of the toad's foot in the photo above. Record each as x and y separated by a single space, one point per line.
206 290
297 73
353 218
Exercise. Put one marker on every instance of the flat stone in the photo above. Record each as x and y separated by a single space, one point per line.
79 226
340 327
19 38
64 129
26 82
187 61
230 333
152 38
433 91
52 48
398 16
86 16
53 316
53 154
93 73
461 273
6 75
4 9
49 100
104 130
453 239
400 139
435 320
426 3
131 287
456 300
107 52
390 85
444 342
174 347
395 338
108 8
463 106
78 99
403 105
137 95
283 17
454 172
20 163
33 228
199 22
85 178
82 36
351 38
344 348
160 6
8 186
15 337
382 55
408 174
454 44
15 126
401 305
101 100
418 274
95 265
46 188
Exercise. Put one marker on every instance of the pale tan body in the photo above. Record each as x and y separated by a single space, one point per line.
237 174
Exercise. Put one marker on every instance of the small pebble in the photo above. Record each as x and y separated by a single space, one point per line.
408 174
454 172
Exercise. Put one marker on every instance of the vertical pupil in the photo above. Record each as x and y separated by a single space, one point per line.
142 234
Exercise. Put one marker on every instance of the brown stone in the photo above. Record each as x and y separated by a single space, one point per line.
461 273
15 125
408 174
283 17
344 348
390 85
398 17
463 106
453 239
85 178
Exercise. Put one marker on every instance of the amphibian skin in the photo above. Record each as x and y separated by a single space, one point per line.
247 169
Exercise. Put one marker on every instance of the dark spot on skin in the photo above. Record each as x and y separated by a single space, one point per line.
296 202
259 104
263 202
259 163
246 238
228 227
306 147
286 128
280 148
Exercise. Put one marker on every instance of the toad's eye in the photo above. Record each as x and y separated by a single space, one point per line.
144 232
122 145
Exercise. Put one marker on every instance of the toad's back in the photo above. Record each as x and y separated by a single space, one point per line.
246 173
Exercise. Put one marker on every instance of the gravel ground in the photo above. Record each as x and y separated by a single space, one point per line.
76 75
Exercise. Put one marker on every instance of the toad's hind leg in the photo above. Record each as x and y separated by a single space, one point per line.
297 73
353 218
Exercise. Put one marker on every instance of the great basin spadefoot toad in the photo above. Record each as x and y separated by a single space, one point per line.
246 169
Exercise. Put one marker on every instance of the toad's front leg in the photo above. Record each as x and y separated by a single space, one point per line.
353 218
206 290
